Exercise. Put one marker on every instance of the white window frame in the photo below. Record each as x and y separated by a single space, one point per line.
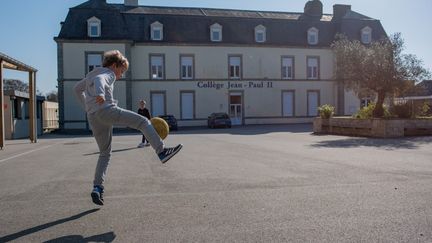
313 33
159 68
187 67
365 101
313 72
155 105
285 68
285 112
260 29
156 26
93 22
234 69
183 95
216 28
366 32
313 113
89 63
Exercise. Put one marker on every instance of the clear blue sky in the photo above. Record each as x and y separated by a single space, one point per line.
29 26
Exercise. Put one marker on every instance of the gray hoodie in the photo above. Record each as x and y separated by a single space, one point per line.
99 82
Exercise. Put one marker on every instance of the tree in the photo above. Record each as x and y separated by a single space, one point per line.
52 96
15 84
380 67
18 85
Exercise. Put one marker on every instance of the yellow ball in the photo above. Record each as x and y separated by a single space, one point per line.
161 126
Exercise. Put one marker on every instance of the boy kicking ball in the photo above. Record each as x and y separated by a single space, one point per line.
95 94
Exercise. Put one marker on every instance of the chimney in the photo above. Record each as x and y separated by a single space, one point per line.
340 10
314 8
132 3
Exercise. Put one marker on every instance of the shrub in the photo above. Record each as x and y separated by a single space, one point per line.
326 111
403 110
411 109
424 109
367 112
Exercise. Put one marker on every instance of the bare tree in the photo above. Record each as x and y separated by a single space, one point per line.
52 96
379 67
18 85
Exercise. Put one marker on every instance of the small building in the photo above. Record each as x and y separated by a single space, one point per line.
50 115
17 113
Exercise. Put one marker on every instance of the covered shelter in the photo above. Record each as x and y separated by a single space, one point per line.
7 62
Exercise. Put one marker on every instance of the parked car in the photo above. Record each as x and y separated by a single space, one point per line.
218 120
171 120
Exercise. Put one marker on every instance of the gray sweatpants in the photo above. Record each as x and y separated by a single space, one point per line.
101 123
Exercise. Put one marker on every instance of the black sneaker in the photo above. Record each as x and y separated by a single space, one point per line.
168 153
97 195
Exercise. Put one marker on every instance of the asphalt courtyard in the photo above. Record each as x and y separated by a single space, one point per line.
245 184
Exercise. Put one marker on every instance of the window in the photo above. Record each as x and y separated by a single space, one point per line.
186 67
287 67
234 67
216 32
14 108
313 67
26 109
93 27
156 31
312 36
38 109
187 105
93 61
364 102
260 33
157 66
366 35
313 100
158 106
288 102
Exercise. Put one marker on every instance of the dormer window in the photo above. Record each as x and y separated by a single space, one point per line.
366 35
216 32
156 31
260 33
93 27
312 36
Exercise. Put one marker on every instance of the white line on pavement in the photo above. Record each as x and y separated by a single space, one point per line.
31 151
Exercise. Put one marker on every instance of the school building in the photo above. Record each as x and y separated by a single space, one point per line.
260 67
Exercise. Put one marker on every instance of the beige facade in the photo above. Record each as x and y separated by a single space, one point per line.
259 92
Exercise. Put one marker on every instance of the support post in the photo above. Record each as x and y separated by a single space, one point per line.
32 97
2 130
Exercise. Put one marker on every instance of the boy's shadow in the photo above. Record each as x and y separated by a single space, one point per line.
106 237
35 229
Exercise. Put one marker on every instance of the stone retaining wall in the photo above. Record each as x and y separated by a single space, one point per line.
382 128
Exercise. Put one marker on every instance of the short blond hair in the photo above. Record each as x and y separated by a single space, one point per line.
115 57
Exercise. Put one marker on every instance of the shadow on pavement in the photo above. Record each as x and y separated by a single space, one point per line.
106 237
248 129
114 151
45 226
235 130
388 144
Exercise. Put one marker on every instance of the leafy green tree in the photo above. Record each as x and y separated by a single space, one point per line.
379 67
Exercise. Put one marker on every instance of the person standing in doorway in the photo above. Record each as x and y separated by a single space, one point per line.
143 111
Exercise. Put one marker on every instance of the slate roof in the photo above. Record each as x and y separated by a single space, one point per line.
192 25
